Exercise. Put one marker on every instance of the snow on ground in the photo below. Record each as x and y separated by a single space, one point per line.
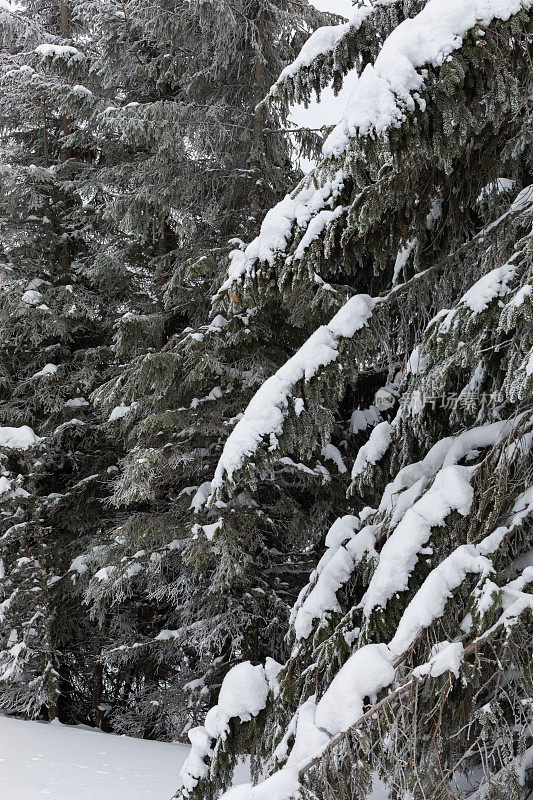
59 762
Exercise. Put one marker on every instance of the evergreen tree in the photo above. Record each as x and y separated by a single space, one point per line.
58 306
410 647
203 163
122 168
195 161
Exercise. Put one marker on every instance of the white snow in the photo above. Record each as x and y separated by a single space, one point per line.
522 508
494 284
315 228
524 198
211 529
119 411
332 571
58 51
82 91
299 207
446 451
308 740
332 453
243 694
390 88
104 573
365 673
521 294
18 438
496 187
417 362
48 369
31 297
402 258
434 214
77 402
341 531
352 316
451 491
79 564
514 602
381 98
371 668
430 600
321 42
529 365
59 762
446 657
36 283
200 496
374 449
282 785
521 203
346 547
363 418
513 589
266 411
474 438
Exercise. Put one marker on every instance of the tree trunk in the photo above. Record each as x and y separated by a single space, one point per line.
96 687
45 136
258 117
64 21
162 248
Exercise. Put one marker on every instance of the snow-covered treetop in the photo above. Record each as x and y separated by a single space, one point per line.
389 88
389 91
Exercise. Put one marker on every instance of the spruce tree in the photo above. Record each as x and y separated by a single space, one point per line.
58 306
203 165
196 163
409 250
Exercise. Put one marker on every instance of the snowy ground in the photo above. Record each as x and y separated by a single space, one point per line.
57 762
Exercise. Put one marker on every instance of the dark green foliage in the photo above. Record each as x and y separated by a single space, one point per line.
445 185
134 152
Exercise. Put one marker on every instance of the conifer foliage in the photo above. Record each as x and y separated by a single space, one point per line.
265 457
409 674
56 319
131 151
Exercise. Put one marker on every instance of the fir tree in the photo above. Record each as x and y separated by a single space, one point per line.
57 311
175 611
195 161
409 669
